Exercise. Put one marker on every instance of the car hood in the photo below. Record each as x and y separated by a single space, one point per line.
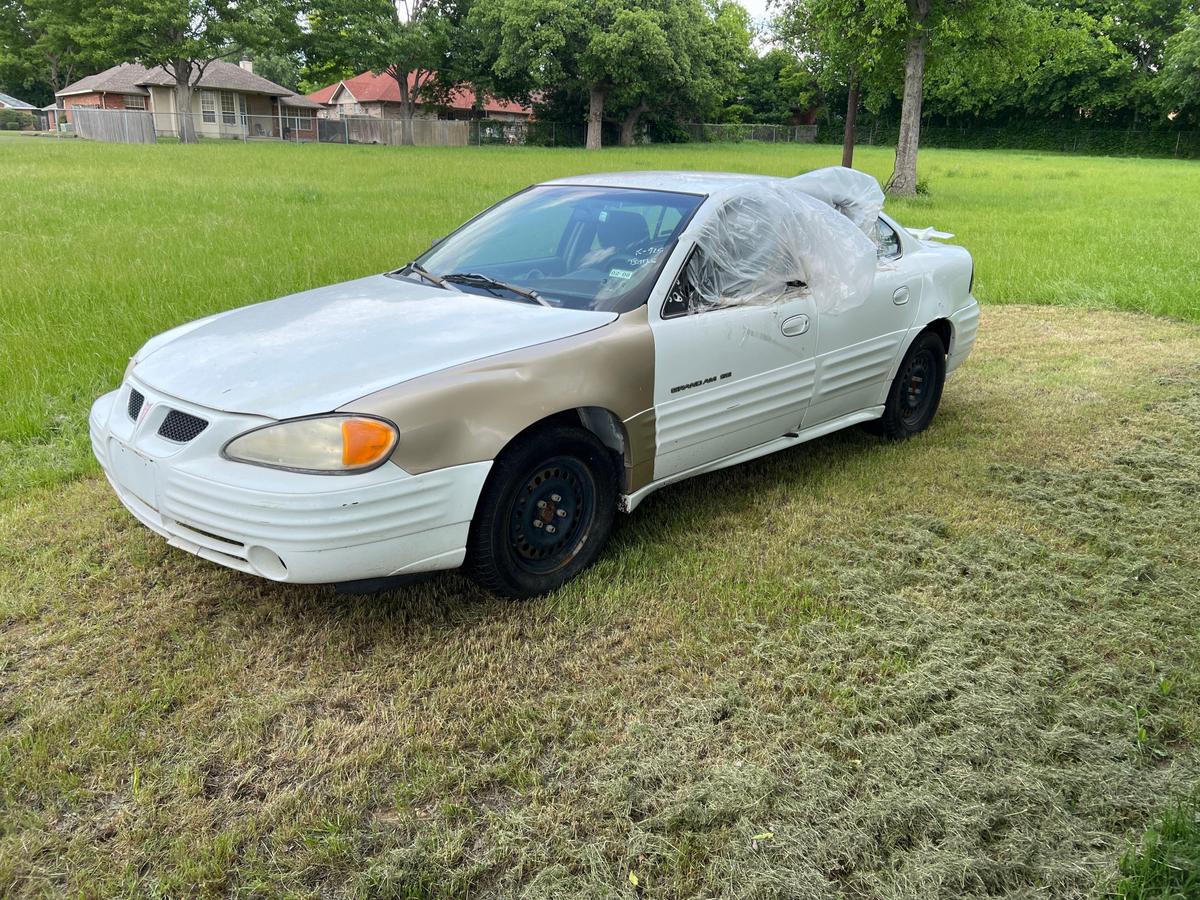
315 351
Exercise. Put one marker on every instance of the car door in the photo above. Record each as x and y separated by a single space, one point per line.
729 374
858 344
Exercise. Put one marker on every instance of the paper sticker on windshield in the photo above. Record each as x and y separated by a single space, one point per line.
624 274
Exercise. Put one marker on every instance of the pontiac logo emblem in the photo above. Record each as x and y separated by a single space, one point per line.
145 409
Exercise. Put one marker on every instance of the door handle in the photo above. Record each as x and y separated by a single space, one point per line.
900 295
794 326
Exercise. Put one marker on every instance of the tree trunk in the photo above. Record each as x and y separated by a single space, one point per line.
903 182
183 101
407 110
629 123
595 117
851 122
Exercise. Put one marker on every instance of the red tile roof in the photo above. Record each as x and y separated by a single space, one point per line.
372 88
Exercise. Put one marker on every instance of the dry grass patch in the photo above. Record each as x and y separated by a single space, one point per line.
963 666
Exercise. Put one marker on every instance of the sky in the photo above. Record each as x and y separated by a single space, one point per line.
757 8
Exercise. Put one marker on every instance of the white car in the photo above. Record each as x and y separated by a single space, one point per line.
557 358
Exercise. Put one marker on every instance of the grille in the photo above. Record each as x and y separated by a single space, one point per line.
181 427
135 403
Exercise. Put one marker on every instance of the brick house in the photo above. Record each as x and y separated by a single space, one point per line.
229 101
378 96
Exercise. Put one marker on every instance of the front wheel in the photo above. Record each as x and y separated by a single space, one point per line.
544 515
913 399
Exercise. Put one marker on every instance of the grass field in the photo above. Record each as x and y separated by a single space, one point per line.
968 665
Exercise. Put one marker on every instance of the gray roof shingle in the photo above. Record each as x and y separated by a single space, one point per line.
299 101
132 78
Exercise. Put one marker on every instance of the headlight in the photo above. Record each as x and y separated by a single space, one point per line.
322 444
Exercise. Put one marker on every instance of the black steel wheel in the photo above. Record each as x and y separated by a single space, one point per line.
549 512
916 392
545 513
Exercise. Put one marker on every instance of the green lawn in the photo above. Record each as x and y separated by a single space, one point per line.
968 665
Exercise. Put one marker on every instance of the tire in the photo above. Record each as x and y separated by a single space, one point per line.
914 396
544 515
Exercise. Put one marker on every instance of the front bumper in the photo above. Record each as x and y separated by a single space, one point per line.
286 526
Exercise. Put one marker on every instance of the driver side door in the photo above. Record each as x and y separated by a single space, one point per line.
729 375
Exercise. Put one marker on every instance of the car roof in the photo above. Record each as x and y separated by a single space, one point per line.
680 181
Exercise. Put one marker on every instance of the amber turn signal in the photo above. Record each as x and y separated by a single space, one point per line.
365 441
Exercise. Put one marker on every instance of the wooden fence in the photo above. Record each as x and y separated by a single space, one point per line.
372 130
115 126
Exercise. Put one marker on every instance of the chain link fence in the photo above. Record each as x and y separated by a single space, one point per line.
128 126
1052 137
304 126
736 133
1035 136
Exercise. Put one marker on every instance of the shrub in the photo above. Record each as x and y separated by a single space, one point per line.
16 120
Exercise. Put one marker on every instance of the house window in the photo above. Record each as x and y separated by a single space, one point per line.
242 107
208 106
135 101
297 119
228 108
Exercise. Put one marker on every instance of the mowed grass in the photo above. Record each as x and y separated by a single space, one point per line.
962 666
107 245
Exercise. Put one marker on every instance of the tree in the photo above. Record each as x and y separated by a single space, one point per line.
631 58
1141 29
1082 73
978 49
408 40
185 37
317 73
772 89
39 47
282 68
904 175
850 43
1179 84
975 47
688 58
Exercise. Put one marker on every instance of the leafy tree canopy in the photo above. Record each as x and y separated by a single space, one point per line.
40 49
1179 84
626 57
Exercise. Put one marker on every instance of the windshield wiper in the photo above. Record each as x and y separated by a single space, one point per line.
419 270
474 279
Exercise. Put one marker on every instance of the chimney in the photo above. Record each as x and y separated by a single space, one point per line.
248 65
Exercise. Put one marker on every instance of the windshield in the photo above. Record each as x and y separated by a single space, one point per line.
567 246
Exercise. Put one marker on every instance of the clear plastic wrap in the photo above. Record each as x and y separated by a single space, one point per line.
766 238
854 194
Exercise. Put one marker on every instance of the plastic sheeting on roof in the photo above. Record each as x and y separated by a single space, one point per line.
768 237
854 194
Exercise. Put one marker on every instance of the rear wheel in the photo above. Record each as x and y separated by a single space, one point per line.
545 513
916 393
